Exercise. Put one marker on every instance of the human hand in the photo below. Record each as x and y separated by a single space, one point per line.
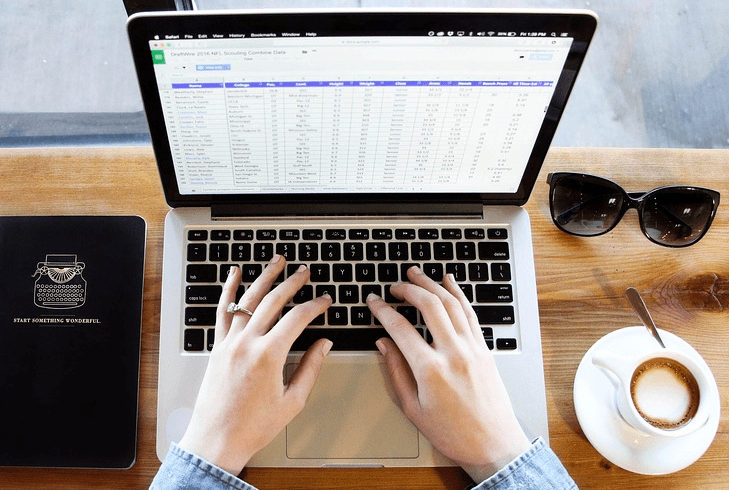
243 402
451 389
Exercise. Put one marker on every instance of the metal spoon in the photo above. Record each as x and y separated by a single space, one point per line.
639 306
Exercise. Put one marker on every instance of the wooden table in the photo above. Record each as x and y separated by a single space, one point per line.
580 284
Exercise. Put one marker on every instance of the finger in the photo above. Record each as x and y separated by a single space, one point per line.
403 381
257 291
450 284
288 329
269 308
456 315
409 341
223 318
431 308
305 376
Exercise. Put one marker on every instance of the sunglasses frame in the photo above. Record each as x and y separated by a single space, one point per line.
631 200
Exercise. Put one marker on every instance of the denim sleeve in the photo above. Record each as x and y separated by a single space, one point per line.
538 468
184 471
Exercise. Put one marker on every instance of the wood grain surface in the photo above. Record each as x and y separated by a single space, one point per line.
580 282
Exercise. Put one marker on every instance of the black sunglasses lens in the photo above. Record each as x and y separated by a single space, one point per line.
677 217
585 206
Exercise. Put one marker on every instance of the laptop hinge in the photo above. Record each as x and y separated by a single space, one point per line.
303 208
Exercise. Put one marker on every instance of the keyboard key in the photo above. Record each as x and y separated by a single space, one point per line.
250 272
361 315
467 291
382 234
337 315
506 344
405 234
308 252
375 251
242 235
344 339
434 271
349 294
387 273
266 234
458 270
211 338
495 315
451 234
493 251
220 235
500 271
478 271
353 251
398 250
494 293
202 273
475 233
497 233
313 234
409 312
289 234
194 339
420 250
219 252
203 294
319 273
428 234
389 297
287 250
304 294
336 234
197 252
443 251
262 252
197 235
331 251
368 289
364 272
197 316
359 234
342 273
329 289
466 251
241 252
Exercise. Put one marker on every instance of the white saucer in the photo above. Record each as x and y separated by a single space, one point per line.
611 436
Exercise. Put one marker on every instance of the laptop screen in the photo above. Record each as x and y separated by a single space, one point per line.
400 104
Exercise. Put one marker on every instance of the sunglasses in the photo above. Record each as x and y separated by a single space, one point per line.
672 216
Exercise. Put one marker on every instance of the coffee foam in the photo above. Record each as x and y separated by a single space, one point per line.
665 393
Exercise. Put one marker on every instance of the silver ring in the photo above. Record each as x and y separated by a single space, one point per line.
235 308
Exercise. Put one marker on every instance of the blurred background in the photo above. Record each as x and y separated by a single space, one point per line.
655 76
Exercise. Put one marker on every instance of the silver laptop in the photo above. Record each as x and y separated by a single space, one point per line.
358 143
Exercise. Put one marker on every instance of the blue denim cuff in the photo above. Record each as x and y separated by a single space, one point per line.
537 468
182 470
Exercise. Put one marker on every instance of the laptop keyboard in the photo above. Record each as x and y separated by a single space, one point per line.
349 263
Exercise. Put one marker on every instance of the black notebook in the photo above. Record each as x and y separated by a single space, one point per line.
70 323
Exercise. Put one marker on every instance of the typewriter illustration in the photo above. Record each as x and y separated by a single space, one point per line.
60 284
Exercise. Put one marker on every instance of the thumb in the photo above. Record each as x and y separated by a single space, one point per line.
303 379
402 378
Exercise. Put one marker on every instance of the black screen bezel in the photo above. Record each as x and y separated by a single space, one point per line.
580 25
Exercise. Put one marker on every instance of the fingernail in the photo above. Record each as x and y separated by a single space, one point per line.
381 347
230 270
301 268
451 278
416 270
276 258
372 297
327 347
326 294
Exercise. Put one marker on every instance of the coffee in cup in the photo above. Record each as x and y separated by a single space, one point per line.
665 393
660 392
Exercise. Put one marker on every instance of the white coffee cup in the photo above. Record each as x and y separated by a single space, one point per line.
662 392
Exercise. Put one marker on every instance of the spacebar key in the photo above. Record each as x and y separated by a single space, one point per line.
344 339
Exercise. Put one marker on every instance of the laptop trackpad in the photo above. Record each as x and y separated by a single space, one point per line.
351 414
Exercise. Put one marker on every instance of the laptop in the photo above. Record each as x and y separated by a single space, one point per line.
357 142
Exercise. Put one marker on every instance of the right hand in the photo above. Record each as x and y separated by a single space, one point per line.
451 389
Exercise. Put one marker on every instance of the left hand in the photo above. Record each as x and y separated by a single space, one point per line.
243 402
